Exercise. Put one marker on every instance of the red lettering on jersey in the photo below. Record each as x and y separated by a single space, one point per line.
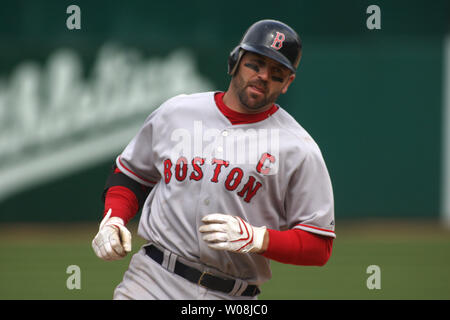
182 176
278 41
264 157
197 169
250 189
233 180
219 164
167 172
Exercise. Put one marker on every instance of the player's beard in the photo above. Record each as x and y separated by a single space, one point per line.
252 101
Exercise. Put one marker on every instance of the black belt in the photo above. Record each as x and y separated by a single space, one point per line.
204 279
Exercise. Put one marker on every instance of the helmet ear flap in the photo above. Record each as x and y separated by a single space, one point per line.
233 59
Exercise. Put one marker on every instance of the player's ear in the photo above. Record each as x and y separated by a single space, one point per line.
288 83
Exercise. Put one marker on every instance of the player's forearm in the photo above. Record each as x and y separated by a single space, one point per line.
297 247
123 195
123 203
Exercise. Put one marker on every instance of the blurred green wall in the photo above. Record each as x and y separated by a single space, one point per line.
372 99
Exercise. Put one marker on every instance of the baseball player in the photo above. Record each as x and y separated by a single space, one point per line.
227 181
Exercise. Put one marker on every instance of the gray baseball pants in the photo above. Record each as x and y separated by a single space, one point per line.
145 279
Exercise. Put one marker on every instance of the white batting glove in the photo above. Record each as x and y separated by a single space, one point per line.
225 232
113 240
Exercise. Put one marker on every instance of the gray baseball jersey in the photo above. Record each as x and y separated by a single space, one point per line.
270 173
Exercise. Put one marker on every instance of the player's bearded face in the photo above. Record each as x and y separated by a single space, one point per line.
258 81
252 100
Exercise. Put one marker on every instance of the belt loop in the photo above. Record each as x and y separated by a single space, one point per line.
166 259
172 261
244 286
236 288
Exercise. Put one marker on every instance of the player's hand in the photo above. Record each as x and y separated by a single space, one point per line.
225 232
113 240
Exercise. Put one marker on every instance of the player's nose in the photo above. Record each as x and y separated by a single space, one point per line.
263 73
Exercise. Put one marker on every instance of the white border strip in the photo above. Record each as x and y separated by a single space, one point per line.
445 191
315 230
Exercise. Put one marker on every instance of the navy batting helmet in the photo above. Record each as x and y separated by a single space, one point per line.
270 38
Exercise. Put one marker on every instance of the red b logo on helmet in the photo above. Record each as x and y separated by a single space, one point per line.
278 41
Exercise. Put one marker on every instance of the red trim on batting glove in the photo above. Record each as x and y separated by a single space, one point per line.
298 247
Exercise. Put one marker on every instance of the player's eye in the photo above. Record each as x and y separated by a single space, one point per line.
252 66
278 79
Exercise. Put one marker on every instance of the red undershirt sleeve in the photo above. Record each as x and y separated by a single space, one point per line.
298 247
123 203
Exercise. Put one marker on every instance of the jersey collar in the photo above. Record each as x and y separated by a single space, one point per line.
241 118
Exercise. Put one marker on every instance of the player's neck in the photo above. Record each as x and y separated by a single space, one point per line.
231 100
